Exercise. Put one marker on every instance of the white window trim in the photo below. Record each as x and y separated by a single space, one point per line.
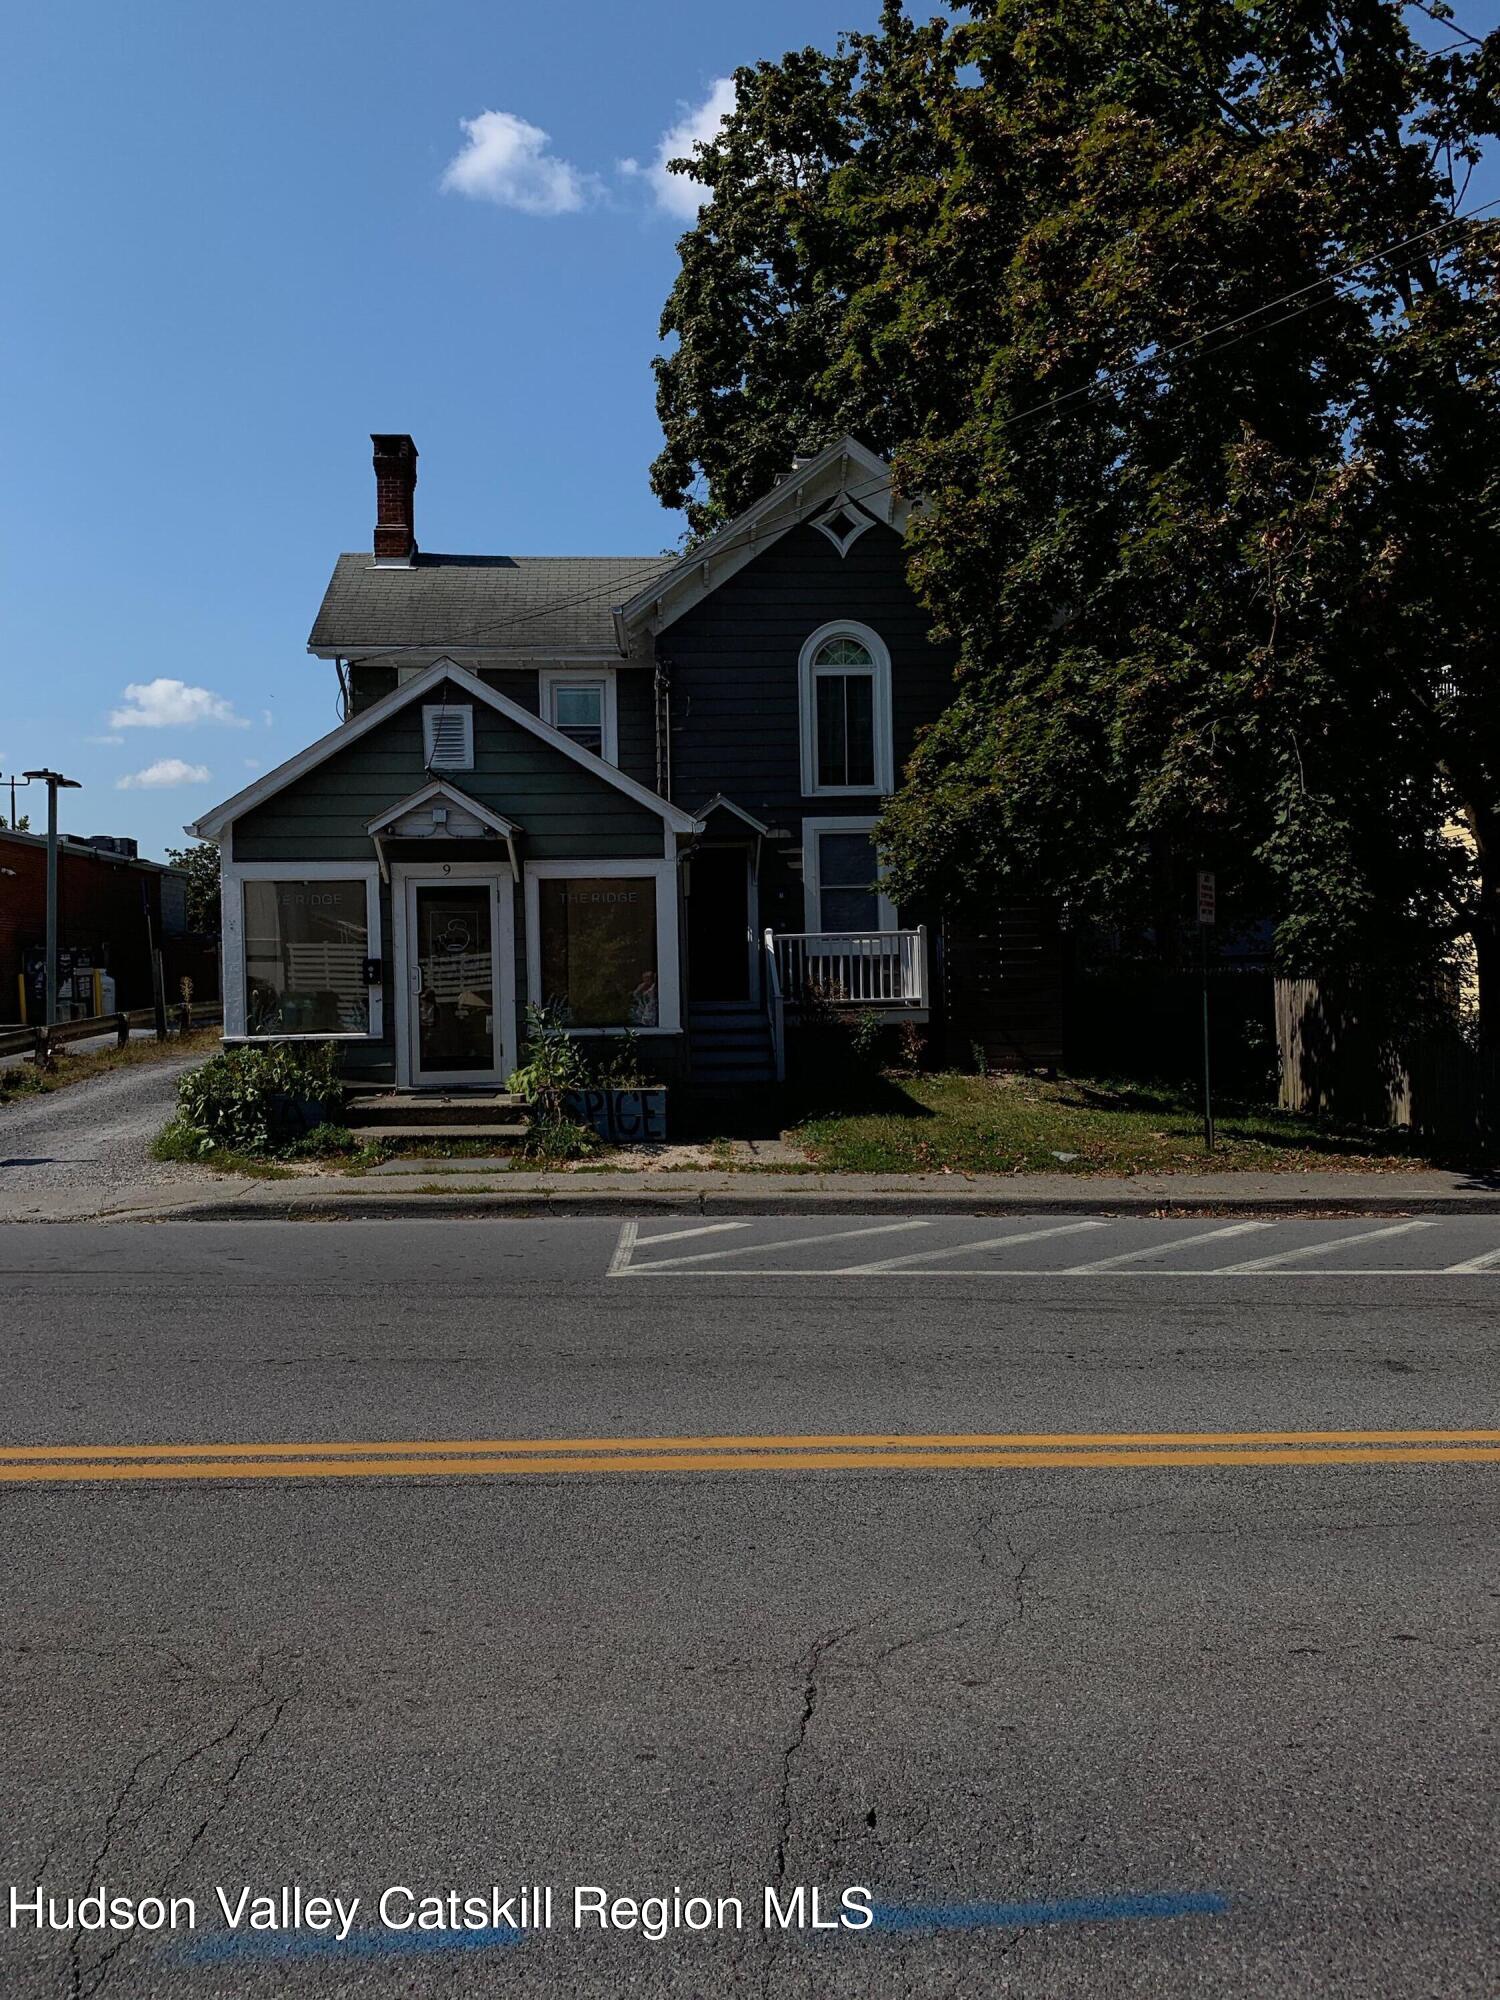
430 712
233 876
668 972
874 645
556 677
886 912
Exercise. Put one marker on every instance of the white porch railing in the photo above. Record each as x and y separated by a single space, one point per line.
775 1007
854 968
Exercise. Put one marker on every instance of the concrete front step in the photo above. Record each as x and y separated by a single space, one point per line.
458 1111
493 1133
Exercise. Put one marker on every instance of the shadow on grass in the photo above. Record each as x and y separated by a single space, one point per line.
854 1094
1270 1126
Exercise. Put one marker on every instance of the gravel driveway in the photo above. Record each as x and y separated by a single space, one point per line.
89 1138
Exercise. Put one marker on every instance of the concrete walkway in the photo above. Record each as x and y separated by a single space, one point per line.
431 1191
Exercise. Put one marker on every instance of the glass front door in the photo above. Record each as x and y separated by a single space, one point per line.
455 1024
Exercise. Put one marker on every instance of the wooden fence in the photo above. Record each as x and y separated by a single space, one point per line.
1336 1061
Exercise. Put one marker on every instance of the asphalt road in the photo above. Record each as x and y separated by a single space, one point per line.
1201 1727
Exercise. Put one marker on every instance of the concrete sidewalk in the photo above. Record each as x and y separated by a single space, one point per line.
441 1190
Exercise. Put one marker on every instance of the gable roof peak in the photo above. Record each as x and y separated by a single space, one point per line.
844 468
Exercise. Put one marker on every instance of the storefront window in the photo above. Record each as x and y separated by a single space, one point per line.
598 950
305 948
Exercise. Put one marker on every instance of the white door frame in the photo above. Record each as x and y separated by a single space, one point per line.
406 878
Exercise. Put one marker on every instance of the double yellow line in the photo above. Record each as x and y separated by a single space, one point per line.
452 1458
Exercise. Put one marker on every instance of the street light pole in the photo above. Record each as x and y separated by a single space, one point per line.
55 782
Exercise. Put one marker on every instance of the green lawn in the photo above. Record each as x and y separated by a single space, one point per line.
1008 1124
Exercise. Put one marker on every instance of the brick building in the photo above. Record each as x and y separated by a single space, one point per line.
112 907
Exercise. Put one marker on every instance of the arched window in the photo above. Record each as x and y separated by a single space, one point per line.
845 680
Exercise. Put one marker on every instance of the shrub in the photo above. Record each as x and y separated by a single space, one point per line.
552 1064
257 1099
865 1032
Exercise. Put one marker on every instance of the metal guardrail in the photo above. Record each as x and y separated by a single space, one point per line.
27 1041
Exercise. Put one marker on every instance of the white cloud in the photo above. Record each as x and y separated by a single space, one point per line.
676 194
161 776
505 160
104 739
268 718
164 704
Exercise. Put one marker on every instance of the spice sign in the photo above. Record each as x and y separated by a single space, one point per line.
1207 897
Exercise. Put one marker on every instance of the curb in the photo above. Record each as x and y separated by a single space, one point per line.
533 1203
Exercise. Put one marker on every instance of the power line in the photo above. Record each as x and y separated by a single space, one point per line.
856 493
1244 319
642 575
1444 21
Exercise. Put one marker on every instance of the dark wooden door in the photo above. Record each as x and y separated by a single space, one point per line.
718 925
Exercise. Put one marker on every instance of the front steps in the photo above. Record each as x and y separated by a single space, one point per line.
729 1044
410 1119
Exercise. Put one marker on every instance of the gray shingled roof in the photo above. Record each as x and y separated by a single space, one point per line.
550 603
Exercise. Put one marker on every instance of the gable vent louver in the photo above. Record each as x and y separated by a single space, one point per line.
448 738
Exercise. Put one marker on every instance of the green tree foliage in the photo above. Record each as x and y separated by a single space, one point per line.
1167 311
201 866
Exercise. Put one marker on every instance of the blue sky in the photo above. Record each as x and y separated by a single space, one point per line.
236 257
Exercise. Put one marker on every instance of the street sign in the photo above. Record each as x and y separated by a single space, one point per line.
1207 897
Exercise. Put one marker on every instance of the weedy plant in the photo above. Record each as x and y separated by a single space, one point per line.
250 1100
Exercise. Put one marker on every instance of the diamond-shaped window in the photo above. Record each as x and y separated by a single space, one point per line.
843 524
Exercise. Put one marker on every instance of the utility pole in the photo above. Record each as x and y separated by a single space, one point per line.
1207 914
55 782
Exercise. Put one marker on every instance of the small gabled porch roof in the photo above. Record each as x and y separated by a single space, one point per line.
450 794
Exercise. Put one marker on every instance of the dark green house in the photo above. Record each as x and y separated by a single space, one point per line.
638 790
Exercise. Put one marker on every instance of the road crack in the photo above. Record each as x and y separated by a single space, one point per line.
791 1756
84 1981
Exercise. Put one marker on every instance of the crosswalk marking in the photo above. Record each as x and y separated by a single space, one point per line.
960 1250
677 1235
1484 1262
1278 1257
1160 1249
748 1249
1155 1250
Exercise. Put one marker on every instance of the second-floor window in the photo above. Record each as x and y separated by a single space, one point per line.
845 680
582 707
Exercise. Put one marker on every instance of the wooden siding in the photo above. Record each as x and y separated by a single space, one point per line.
566 812
370 682
733 663
635 692
635 696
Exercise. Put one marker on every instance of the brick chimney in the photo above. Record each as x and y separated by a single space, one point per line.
395 486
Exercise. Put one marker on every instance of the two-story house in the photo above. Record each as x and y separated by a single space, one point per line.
637 790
